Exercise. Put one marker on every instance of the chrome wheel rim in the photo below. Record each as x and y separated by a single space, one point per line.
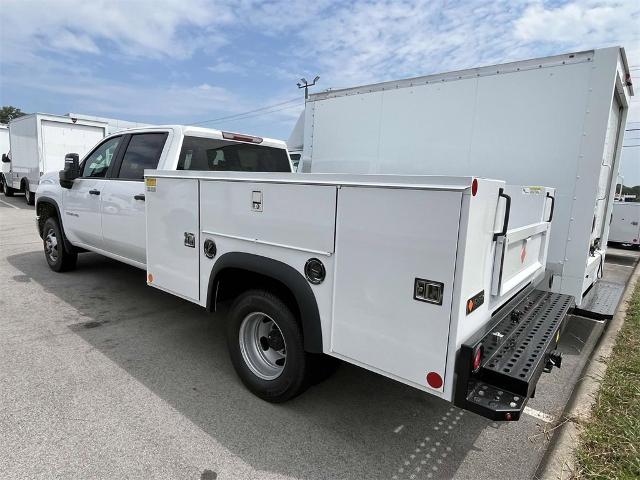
51 246
262 345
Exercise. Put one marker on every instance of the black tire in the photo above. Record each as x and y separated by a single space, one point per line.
58 259
28 195
321 367
7 190
292 379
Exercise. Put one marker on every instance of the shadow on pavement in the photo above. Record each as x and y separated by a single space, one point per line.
354 425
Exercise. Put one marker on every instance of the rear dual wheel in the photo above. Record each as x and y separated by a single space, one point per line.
266 346
29 196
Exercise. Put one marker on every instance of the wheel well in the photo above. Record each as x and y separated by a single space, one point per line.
44 211
231 282
235 272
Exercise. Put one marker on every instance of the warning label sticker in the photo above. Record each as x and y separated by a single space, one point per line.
150 183
533 190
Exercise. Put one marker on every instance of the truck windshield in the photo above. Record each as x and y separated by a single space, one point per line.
222 155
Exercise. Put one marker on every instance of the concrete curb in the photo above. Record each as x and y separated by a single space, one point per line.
559 462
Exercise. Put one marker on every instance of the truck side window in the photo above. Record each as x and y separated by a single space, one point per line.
143 152
97 164
210 154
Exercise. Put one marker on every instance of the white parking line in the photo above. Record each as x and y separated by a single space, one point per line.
545 417
397 430
9 205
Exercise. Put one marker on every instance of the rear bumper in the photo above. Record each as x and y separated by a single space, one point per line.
518 345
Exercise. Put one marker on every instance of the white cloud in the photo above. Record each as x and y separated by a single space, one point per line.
583 24
141 28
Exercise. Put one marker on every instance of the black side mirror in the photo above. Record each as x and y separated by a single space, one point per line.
5 158
71 170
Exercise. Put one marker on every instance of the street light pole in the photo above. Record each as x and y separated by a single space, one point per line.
304 84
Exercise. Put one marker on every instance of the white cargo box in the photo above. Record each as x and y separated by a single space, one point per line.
39 143
554 121
625 223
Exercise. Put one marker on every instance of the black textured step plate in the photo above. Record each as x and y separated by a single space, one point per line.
516 350
602 301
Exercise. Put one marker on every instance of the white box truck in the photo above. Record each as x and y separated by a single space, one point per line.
113 124
625 224
554 121
430 281
4 151
39 143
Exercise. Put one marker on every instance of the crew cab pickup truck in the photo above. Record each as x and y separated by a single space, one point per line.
428 280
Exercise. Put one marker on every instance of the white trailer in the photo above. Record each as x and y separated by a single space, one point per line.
39 143
426 280
553 121
625 224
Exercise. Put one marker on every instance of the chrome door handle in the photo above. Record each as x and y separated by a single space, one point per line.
94 192
140 196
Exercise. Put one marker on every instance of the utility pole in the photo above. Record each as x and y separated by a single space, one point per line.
304 84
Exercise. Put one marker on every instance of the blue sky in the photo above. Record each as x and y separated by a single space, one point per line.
186 61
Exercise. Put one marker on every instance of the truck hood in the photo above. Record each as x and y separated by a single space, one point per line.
50 178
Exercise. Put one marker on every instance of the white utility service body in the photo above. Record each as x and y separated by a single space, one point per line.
39 143
625 223
554 121
473 244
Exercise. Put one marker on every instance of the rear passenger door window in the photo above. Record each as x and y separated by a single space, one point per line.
143 152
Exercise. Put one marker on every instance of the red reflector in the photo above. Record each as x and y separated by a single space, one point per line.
477 358
434 380
474 187
507 416
241 138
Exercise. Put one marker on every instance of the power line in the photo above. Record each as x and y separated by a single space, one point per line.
228 117
253 115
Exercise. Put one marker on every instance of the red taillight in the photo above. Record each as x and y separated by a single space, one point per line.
507 416
241 138
477 357
434 380
474 187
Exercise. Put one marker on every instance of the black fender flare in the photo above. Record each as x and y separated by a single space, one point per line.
48 200
285 274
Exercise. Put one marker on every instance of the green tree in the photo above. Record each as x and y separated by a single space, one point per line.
8 113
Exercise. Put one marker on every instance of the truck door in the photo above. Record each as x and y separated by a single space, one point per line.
606 169
123 201
82 202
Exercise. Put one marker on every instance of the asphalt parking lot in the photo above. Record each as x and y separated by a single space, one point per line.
104 377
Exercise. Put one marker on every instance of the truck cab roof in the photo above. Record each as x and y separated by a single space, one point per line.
189 130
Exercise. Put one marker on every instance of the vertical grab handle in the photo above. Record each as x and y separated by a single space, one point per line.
553 204
507 211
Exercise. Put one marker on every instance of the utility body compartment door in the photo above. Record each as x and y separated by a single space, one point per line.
173 241
385 240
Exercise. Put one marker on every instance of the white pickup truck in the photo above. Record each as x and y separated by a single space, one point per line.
428 280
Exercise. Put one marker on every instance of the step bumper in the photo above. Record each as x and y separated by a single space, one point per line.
518 345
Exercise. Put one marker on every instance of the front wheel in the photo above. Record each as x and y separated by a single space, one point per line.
57 257
6 189
266 346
